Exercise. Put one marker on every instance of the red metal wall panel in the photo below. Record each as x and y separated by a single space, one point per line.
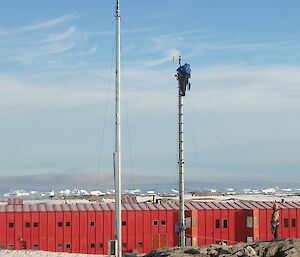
162 221
224 229
3 229
263 225
124 230
34 229
231 226
91 232
10 217
129 230
176 222
18 230
209 227
75 232
107 231
27 229
99 233
59 237
293 222
217 231
154 222
298 222
240 225
67 227
284 227
83 219
147 224
51 231
201 227
138 231
43 227
170 228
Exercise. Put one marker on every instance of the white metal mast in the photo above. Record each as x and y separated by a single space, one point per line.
117 153
183 75
181 170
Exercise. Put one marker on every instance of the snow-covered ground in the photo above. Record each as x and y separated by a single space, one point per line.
188 197
21 253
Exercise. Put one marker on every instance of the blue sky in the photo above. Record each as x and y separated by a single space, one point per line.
57 83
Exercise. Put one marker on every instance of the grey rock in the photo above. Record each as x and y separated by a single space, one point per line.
249 251
279 248
192 251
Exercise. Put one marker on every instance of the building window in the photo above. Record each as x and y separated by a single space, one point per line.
194 222
188 222
35 247
124 223
124 245
155 222
35 224
100 245
11 225
286 223
293 222
59 224
11 247
140 245
188 241
163 223
92 245
249 222
2 247
68 246
92 223
217 223
27 224
59 246
225 223
68 224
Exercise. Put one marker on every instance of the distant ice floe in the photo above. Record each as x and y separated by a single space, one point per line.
132 191
175 191
96 193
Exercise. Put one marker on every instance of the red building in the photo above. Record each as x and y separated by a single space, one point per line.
87 228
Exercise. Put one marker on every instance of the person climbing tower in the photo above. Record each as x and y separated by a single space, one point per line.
183 75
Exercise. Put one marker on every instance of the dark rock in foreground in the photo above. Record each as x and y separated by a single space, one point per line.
280 248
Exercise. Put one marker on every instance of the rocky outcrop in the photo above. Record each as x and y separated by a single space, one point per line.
279 248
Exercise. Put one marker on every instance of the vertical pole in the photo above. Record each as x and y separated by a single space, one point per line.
181 167
117 154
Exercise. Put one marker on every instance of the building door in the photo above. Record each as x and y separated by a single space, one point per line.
159 240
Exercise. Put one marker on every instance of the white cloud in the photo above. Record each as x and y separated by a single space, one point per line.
240 87
92 50
62 36
42 25
231 87
29 55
